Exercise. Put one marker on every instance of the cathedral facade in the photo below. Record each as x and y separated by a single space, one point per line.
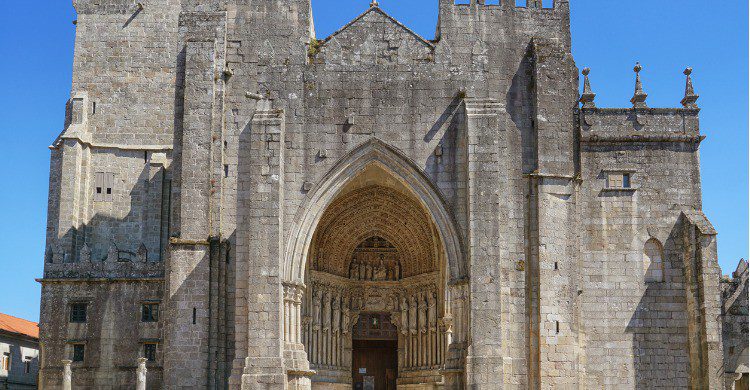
248 206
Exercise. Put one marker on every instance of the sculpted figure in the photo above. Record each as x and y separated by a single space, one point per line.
432 311
316 310
413 315
336 314
362 272
345 318
327 311
422 315
404 316
380 270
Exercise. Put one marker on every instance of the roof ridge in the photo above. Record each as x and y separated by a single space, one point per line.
19 318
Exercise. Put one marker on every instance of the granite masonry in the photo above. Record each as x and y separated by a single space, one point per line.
237 203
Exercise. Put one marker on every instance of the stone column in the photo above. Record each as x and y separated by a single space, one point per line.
260 319
141 374
295 357
67 375
484 363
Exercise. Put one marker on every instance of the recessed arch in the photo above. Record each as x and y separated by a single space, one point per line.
400 168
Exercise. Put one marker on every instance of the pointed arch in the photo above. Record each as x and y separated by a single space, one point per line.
653 261
401 168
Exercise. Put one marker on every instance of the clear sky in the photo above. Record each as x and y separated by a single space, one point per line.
36 39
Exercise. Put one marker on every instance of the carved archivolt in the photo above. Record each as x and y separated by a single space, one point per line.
381 212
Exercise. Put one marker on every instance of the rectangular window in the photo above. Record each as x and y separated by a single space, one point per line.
149 351
618 180
27 365
79 352
6 361
104 183
78 312
150 312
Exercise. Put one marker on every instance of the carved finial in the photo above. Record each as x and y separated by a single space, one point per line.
639 98
142 253
374 3
113 254
587 97
85 256
690 97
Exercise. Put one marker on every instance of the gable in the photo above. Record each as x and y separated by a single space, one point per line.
374 38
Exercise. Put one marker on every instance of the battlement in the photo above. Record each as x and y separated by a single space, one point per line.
519 4
505 21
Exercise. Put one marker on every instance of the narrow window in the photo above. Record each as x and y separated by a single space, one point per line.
195 315
93 109
626 180
557 327
6 361
226 170
149 351
78 312
27 365
145 156
556 266
79 352
104 183
150 312
653 263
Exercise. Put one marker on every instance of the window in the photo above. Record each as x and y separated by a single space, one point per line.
6 361
104 186
149 351
618 180
78 312
150 312
653 265
27 365
79 352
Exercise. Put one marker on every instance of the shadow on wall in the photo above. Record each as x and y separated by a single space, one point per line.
659 325
141 234
446 153
17 373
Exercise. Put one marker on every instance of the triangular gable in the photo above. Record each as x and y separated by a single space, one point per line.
700 221
373 38
388 17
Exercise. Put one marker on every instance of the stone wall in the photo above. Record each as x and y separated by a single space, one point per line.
735 330
226 128
113 334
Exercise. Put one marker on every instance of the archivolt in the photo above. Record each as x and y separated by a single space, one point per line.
374 211
401 168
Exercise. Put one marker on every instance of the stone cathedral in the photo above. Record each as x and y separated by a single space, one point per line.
242 204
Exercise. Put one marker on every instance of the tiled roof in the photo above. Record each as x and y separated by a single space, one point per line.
17 325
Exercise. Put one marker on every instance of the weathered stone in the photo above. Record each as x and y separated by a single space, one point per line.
277 195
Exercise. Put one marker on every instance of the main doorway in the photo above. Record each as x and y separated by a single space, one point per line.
374 313
374 353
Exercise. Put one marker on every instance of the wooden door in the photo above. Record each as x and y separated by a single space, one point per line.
377 359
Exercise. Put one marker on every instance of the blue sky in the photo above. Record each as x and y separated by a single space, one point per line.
36 39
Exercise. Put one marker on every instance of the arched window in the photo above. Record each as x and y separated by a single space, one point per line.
653 261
